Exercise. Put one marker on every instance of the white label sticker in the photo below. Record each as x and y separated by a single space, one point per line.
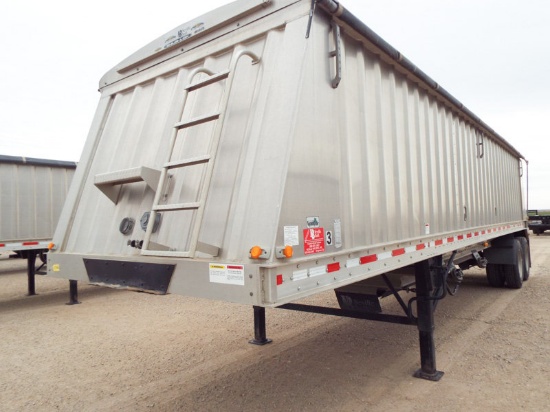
291 236
337 233
228 274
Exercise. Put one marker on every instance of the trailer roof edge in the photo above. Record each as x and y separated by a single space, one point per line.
36 162
340 13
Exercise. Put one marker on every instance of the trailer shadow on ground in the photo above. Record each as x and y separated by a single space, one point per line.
49 297
339 362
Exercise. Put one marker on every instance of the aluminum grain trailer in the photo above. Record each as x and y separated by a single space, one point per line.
268 151
32 192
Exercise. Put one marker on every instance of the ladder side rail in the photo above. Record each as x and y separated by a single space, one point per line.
214 146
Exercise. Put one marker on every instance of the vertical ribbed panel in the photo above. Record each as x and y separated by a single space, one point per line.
31 200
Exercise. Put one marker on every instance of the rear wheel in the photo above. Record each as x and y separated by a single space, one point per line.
495 275
515 272
526 257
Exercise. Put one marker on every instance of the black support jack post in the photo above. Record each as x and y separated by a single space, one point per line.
259 327
31 271
73 293
425 290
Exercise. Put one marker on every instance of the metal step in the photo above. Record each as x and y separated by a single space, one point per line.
109 183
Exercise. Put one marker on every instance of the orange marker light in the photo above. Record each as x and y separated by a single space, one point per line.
51 246
288 251
256 252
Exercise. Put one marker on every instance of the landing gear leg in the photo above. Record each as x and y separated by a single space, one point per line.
31 270
425 290
259 327
73 293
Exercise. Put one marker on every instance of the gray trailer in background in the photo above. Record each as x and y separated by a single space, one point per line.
268 151
32 193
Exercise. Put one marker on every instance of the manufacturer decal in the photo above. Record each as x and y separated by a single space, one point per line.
182 34
312 221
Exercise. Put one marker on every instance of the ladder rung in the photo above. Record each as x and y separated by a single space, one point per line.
197 120
201 247
177 206
164 253
208 81
187 162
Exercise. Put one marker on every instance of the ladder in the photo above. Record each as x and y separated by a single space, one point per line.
150 248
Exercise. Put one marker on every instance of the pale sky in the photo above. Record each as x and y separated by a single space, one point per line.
492 55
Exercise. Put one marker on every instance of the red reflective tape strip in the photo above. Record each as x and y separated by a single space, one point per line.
30 243
420 246
469 235
476 233
460 237
397 252
333 267
439 242
450 239
368 259
483 232
2 244
279 280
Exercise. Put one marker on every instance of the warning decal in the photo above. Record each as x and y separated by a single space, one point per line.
229 274
314 240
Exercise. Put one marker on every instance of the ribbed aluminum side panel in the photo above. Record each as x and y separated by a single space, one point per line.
31 200
387 159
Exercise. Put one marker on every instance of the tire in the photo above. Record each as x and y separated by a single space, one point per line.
514 273
43 257
526 257
495 275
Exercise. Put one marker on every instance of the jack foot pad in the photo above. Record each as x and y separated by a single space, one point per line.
260 342
434 377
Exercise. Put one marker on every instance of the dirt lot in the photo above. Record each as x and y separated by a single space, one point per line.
128 351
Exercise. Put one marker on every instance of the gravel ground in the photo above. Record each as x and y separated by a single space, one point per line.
129 351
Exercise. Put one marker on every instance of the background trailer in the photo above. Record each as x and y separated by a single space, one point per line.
271 150
32 193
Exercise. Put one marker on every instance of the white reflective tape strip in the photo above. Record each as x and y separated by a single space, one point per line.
299 274
351 263
385 255
317 271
